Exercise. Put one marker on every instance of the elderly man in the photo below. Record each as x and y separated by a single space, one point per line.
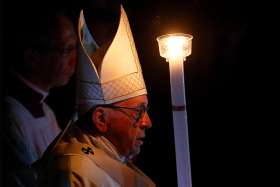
43 55
112 101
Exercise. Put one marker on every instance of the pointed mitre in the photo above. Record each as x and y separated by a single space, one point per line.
118 76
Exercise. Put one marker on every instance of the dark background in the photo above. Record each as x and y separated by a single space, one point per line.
228 78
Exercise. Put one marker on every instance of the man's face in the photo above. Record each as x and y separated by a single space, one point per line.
59 60
125 131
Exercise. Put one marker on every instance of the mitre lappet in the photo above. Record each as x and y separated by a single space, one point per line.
116 76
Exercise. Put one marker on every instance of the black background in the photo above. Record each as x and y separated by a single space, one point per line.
228 78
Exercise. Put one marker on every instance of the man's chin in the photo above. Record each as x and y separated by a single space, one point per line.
134 153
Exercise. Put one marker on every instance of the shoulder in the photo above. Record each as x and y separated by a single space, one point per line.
13 106
17 116
74 156
76 166
14 117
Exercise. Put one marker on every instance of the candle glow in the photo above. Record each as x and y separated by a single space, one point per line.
172 46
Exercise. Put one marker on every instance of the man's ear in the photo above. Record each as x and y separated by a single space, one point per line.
99 119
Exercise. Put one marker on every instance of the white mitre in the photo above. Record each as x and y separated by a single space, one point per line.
119 76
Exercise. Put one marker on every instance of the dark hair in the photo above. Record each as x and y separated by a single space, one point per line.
28 24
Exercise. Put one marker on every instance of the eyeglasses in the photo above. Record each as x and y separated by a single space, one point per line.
139 111
61 51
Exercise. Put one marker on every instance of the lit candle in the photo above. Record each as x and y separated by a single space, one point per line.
175 48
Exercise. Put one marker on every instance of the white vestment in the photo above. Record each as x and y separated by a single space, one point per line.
82 160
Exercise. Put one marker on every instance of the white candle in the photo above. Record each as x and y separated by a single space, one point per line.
175 48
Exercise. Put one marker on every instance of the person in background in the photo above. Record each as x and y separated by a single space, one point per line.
42 55
98 148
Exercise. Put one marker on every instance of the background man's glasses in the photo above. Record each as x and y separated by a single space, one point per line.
61 51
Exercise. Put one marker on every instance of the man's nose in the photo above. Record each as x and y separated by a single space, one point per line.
146 121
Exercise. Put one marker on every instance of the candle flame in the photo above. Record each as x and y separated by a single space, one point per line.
175 46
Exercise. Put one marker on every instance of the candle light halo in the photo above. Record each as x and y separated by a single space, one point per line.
172 46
